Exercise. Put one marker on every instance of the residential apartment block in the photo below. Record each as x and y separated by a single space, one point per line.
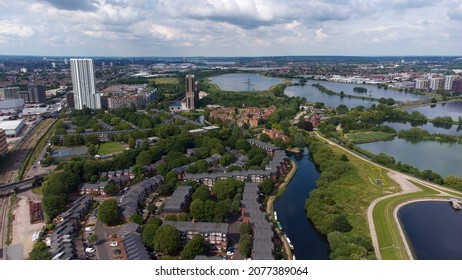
216 234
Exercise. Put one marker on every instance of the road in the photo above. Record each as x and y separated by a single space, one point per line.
405 183
103 232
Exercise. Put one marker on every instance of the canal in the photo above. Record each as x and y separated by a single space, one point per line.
308 243
433 230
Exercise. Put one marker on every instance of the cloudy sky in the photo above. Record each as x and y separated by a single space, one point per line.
230 27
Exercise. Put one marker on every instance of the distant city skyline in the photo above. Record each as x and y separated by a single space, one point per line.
230 28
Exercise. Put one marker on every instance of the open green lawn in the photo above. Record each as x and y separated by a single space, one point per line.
369 136
110 147
166 80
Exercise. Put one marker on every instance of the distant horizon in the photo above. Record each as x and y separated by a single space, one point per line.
220 56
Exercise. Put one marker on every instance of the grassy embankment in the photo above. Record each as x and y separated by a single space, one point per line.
369 136
390 243
348 194
32 157
110 147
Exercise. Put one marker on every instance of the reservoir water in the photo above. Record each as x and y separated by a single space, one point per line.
455 130
449 109
244 82
433 230
290 207
442 158
313 94
372 91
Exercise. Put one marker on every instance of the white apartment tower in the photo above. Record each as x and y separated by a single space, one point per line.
449 81
83 82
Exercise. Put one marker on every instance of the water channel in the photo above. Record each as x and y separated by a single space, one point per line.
433 230
290 207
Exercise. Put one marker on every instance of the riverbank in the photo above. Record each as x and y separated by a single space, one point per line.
279 190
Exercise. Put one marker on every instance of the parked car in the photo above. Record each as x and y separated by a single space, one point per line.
89 228
90 250
114 244
229 253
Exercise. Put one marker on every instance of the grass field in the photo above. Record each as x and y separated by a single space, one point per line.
110 147
165 80
369 136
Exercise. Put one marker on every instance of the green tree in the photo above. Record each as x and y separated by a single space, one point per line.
197 210
92 150
201 166
226 188
201 193
137 219
167 240
197 246
242 145
40 252
108 212
144 158
267 186
110 189
93 238
131 143
245 245
341 223
149 233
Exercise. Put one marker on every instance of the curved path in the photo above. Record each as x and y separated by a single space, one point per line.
404 181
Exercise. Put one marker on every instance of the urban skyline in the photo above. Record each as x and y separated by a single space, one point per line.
230 28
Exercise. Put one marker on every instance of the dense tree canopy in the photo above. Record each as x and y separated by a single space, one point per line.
108 212
196 246
167 240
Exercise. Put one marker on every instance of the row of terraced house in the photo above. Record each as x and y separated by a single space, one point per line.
61 242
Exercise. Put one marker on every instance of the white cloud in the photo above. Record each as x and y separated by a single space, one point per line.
230 27
15 29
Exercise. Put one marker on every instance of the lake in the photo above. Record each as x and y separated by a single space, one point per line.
244 82
313 94
449 109
372 91
442 158
433 230
308 243
455 130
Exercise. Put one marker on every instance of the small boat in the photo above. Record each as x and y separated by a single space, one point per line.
455 204
290 243
275 216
